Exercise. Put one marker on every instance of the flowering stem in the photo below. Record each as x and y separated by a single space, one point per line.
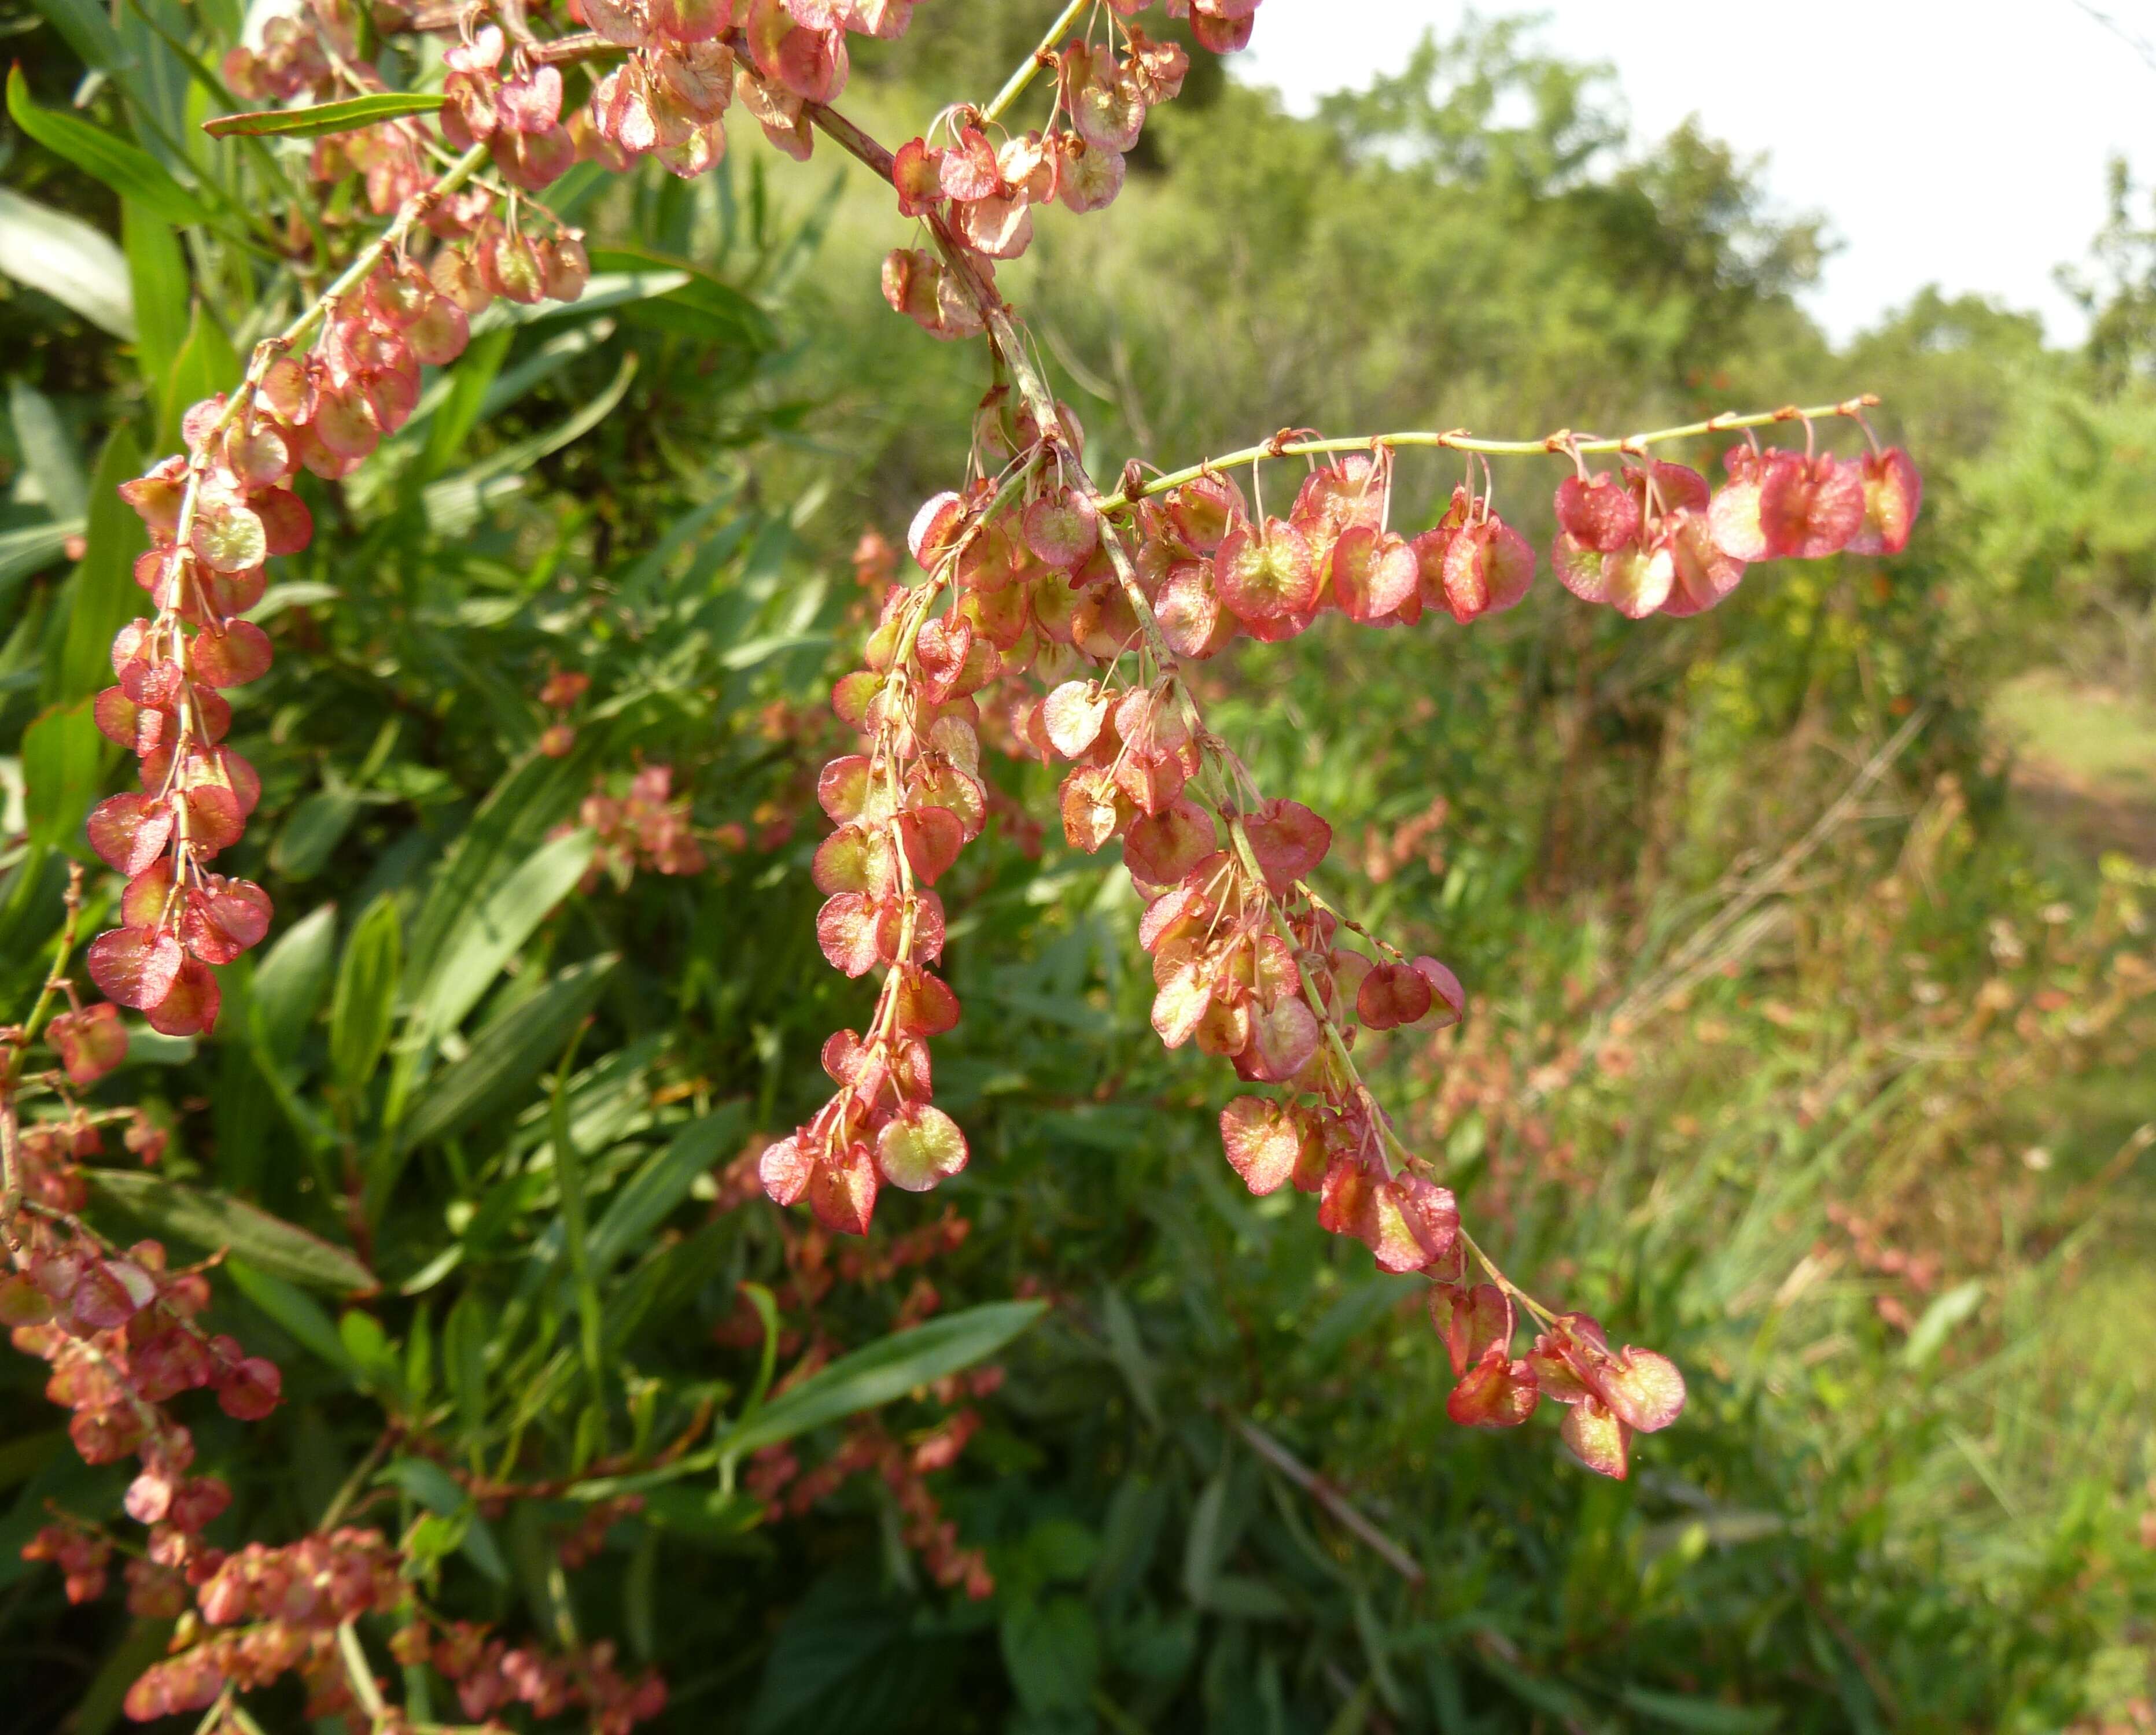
1217 763
18 1045
360 1673
55 980
1044 55
1504 1282
1458 439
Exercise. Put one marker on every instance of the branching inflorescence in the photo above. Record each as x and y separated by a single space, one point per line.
1067 611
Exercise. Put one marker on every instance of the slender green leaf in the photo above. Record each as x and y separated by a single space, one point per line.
102 596
293 593
323 118
294 1312
33 548
887 1369
603 291
512 822
291 979
126 168
1707 1716
365 1004
207 365
420 1357
48 449
210 1220
368 1346
463 403
63 769
569 1176
312 832
499 1068
64 257
464 1336
1928 1335
426 1482
663 1183
706 307
87 28
157 273
453 504
496 926
480 1547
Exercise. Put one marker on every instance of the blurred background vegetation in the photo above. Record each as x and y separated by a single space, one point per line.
1808 941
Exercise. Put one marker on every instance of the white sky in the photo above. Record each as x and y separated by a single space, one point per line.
1961 143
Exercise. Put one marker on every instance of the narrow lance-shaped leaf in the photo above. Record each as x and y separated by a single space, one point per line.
323 118
64 257
212 1220
102 596
48 450
126 168
499 1067
63 766
510 826
290 981
887 1369
157 273
496 929
365 1003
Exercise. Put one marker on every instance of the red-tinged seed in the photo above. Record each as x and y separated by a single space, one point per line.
1599 512
287 526
1265 573
233 656
1163 846
225 919
1063 529
1809 510
919 1147
1072 716
932 837
925 1005
1392 995
935 530
189 1007
1893 494
129 831
1488 567
1373 573
842 1190
251 1389
214 820
784 1169
1598 1439
135 966
844 788
1264 1141
1470 1322
1407 1223
1288 840
1497 1393
146 903
90 1043
967 170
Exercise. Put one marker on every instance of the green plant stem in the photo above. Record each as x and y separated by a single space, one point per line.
1044 55
1562 443
360 1673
